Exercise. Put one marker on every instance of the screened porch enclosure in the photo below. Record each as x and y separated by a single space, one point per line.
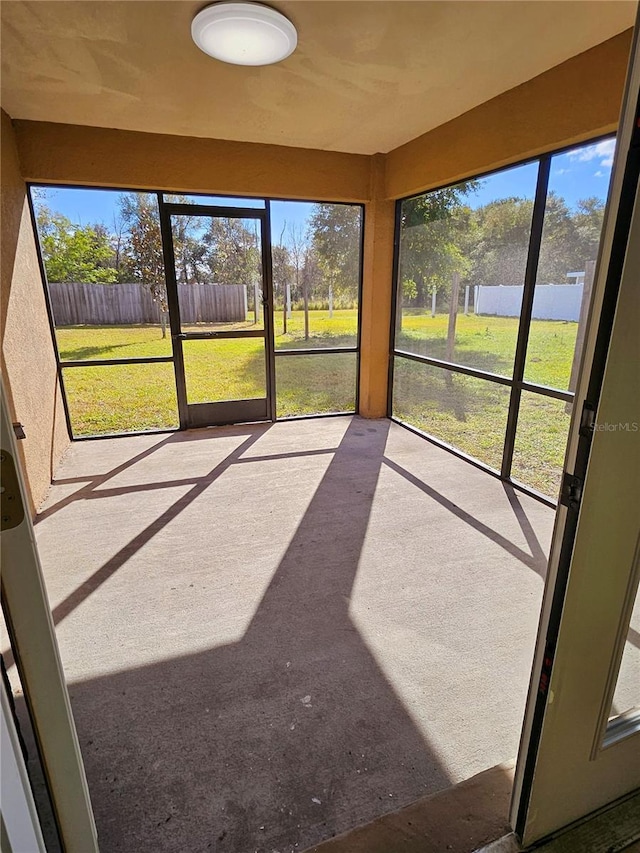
194 310
492 297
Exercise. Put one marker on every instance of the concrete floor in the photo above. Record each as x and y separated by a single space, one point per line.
275 633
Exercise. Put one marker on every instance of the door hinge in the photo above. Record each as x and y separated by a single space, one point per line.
11 507
571 491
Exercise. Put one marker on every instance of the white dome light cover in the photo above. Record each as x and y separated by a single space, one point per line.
244 33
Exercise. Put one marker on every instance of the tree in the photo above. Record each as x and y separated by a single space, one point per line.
74 253
559 251
117 240
498 242
189 250
232 255
144 260
334 231
282 274
588 220
298 245
432 228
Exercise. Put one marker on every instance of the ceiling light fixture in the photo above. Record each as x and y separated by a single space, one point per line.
244 33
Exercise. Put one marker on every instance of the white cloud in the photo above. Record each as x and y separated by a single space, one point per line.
561 171
599 174
602 151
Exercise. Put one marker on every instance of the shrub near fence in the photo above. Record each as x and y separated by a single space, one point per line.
77 304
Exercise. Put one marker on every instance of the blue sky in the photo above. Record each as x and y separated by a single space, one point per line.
575 175
88 206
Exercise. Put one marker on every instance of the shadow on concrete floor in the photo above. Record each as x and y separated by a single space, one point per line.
278 741
283 739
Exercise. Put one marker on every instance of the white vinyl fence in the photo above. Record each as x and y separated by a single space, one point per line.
550 301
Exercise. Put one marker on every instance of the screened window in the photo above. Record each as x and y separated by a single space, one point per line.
316 255
485 325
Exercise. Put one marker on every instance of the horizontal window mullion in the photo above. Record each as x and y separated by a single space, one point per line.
107 362
547 391
186 209
221 335
456 368
316 351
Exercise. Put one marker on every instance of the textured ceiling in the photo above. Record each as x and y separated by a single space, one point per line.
366 77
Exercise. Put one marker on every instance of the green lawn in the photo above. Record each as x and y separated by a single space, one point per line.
489 343
470 413
142 396
466 412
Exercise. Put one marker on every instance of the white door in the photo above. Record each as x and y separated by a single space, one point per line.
579 751
28 616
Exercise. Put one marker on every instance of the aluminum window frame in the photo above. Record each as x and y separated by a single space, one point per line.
278 353
161 198
516 382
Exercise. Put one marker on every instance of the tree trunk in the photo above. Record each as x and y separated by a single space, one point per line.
451 330
399 307
163 323
305 290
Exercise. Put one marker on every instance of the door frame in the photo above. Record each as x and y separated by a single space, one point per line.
194 415
566 604
27 614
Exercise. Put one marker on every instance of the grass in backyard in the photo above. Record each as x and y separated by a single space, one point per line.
313 384
465 412
489 343
340 330
134 397
470 413
121 398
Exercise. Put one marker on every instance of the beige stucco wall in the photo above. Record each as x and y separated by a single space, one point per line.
27 356
572 102
67 153
376 294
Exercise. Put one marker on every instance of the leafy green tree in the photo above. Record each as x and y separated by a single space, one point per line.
559 250
432 230
74 253
232 252
588 220
498 242
283 271
189 249
334 231
143 250
283 276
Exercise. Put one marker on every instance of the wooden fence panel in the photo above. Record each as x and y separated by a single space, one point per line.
75 304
